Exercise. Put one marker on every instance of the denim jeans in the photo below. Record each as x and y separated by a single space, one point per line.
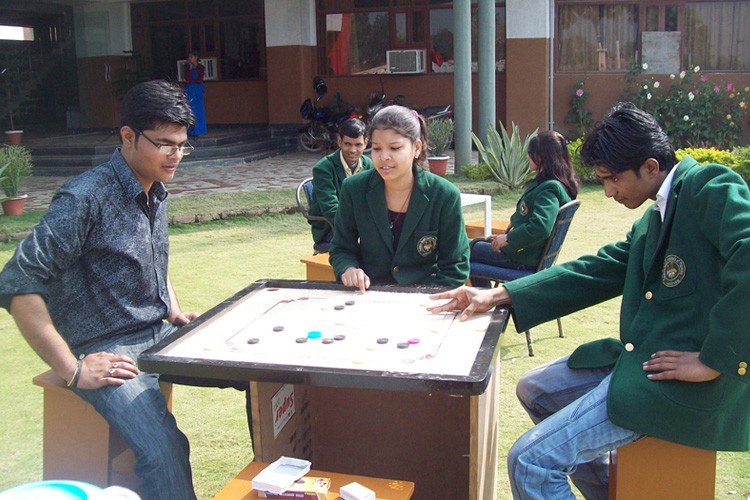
483 252
137 411
572 435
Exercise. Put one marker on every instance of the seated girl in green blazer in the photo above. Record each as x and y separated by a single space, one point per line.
398 223
530 227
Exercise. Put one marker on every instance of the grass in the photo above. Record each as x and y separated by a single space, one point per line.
211 261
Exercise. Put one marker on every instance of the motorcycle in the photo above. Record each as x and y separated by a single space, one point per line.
322 130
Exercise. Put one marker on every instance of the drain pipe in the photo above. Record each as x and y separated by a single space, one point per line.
551 35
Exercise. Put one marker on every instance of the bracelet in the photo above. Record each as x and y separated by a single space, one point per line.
76 374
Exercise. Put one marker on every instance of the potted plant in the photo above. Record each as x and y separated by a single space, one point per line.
439 138
12 77
15 166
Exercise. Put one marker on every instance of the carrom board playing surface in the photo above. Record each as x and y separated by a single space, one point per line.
329 335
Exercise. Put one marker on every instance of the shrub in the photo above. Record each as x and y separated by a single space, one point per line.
742 162
707 155
506 156
478 172
585 174
693 110
579 116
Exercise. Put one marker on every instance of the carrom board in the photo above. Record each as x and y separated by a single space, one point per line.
329 335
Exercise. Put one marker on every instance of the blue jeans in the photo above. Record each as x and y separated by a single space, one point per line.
483 252
137 411
572 435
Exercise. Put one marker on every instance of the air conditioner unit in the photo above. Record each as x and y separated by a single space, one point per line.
209 63
405 61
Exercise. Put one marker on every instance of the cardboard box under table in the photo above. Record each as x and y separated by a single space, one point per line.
370 384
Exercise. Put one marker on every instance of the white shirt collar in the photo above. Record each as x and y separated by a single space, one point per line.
662 195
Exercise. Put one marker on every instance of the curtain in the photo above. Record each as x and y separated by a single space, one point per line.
593 32
716 35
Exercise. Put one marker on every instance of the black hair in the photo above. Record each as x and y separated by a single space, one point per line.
405 122
625 139
151 104
353 127
549 150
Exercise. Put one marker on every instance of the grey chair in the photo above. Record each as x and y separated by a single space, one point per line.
304 200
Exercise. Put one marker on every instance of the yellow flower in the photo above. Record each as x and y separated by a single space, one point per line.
729 116
742 104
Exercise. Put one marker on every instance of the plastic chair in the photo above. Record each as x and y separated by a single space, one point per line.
552 249
303 205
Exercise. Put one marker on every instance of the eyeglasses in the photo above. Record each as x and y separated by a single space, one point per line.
168 149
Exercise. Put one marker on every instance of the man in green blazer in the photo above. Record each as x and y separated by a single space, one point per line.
679 369
330 172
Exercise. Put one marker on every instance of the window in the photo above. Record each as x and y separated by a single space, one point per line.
597 37
18 33
609 36
357 33
230 30
355 43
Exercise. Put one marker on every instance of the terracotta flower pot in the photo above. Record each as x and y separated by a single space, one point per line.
438 164
14 206
14 136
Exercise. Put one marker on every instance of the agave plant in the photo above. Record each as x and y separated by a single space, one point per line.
506 155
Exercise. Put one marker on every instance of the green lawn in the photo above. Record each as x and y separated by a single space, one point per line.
211 261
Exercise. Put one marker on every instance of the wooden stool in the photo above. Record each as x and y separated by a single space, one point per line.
317 268
475 228
79 444
654 468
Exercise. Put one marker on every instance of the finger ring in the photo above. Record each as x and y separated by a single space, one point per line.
111 371
114 365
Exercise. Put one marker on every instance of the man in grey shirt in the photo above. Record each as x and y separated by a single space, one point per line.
89 288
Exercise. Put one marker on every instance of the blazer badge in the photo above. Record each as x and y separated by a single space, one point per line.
523 209
673 271
426 245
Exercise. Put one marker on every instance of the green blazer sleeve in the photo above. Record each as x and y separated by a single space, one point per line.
327 177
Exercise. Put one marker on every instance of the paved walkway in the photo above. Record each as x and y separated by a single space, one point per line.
283 171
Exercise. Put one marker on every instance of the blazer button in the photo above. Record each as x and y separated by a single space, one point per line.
742 371
395 269
743 364
649 295
629 347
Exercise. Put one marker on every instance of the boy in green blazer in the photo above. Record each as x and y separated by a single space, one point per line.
330 172
679 369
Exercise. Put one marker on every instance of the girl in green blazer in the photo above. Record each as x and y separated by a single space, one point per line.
398 223
555 184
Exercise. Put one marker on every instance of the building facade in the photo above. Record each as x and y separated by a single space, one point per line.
265 54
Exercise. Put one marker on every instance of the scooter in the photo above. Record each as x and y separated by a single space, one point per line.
321 131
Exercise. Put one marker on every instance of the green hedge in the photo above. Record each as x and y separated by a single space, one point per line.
738 159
